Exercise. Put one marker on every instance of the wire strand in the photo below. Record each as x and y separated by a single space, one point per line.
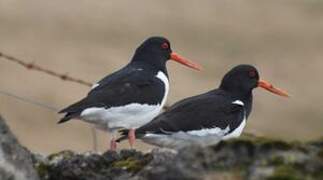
35 67
29 101
51 108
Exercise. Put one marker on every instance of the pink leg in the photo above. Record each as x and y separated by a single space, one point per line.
113 144
131 137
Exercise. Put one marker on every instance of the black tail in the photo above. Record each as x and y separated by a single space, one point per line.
72 111
67 117
124 135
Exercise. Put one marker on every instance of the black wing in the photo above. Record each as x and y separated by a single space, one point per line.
132 85
208 110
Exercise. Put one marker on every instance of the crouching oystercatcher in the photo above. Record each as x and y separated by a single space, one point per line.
131 96
210 117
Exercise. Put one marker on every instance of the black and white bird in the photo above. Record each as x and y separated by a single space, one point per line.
210 117
131 96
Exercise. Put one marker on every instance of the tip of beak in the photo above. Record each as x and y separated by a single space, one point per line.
282 93
199 68
287 95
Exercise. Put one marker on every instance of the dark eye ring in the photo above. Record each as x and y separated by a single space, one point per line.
165 45
252 73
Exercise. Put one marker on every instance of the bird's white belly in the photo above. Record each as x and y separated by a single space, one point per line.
132 115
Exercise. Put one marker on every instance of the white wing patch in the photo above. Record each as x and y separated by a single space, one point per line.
210 131
238 102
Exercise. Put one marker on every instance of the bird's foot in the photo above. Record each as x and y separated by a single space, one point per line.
113 144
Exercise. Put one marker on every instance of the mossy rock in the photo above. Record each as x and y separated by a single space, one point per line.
246 157
61 155
320 154
286 172
276 161
132 164
43 170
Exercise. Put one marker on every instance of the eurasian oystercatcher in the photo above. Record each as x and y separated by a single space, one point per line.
131 96
210 117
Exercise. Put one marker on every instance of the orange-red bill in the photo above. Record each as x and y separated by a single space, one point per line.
268 86
184 61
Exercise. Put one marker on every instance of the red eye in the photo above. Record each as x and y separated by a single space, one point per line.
252 73
165 45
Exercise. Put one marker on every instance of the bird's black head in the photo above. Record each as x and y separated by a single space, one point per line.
157 51
154 48
242 79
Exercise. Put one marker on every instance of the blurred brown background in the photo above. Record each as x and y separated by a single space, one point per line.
89 39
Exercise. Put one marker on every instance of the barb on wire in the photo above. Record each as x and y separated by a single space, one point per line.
32 66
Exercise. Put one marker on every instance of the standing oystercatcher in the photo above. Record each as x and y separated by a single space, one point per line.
132 96
207 118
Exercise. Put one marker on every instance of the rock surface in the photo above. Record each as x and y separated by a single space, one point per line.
15 160
244 158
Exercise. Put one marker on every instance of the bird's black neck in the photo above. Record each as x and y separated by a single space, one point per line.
246 98
145 64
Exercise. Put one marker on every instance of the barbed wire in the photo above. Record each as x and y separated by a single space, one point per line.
64 77
35 67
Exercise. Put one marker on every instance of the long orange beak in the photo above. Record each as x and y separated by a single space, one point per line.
184 61
266 85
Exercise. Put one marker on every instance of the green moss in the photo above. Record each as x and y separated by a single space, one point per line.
320 154
63 154
42 169
276 160
275 144
285 172
130 164
318 175
241 141
267 142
